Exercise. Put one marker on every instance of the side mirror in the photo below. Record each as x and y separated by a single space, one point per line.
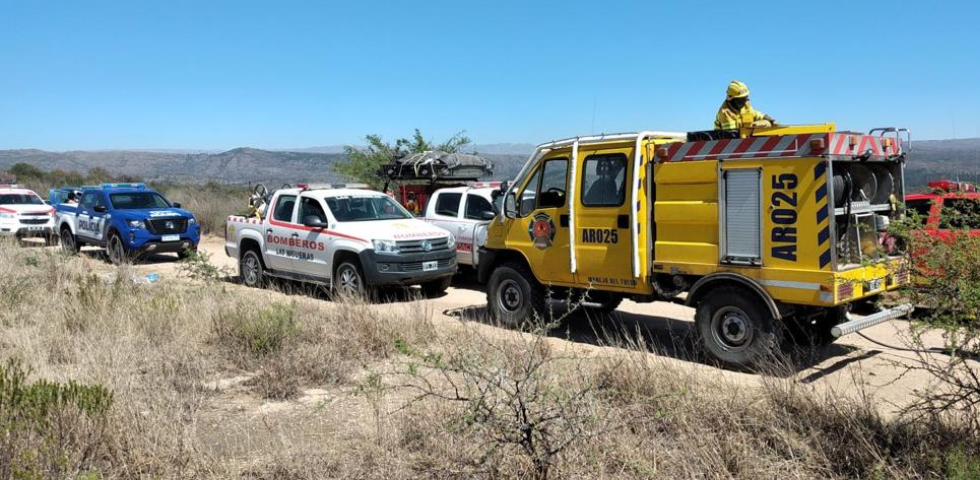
488 215
175 204
314 221
510 205
100 208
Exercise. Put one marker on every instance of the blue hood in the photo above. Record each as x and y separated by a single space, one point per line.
152 213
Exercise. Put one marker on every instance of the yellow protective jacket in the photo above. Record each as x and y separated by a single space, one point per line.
728 119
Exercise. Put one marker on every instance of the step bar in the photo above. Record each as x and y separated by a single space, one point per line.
856 323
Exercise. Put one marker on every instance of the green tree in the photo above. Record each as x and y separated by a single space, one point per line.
363 163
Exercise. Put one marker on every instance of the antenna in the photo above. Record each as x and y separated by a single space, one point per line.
595 99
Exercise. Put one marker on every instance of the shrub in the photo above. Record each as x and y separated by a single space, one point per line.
48 429
256 334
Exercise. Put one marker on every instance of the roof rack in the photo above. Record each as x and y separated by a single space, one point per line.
331 186
120 185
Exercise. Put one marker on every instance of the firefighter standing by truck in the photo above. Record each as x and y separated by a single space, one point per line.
737 112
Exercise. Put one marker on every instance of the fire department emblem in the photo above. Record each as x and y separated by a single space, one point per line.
541 230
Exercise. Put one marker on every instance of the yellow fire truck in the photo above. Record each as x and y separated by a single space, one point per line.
771 233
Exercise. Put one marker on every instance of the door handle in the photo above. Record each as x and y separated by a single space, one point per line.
623 221
295 235
268 230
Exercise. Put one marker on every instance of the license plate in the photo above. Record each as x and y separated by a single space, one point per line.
874 285
171 238
429 266
36 229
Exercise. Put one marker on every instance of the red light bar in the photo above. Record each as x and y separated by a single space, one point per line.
949 186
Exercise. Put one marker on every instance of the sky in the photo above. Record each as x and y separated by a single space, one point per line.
215 75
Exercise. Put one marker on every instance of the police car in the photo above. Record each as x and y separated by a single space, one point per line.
23 214
128 220
349 239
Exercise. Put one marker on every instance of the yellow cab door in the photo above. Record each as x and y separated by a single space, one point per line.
603 243
542 221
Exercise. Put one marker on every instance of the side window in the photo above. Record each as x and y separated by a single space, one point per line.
960 213
88 200
310 207
476 207
284 208
529 195
553 184
604 180
447 204
919 210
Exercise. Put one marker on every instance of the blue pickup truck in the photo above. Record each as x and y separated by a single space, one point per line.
127 219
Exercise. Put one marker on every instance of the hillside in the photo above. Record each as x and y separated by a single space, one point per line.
931 159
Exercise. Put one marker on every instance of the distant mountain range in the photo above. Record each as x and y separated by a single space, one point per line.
930 160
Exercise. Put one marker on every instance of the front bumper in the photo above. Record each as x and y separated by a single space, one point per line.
142 241
406 269
167 247
26 231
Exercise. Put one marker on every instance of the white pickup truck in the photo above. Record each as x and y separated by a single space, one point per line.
349 240
466 212
24 215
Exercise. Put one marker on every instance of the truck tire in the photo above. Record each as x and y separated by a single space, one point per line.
436 288
116 249
736 328
348 282
69 244
251 270
514 296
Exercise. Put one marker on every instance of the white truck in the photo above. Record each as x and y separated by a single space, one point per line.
24 215
466 212
349 240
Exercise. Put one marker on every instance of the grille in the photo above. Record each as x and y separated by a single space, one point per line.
415 246
33 221
34 214
159 226
417 266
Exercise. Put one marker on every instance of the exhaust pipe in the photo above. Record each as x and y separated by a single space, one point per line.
856 322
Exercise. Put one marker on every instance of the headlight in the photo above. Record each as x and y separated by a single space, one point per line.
8 215
192 220
452 242
135 224
385 246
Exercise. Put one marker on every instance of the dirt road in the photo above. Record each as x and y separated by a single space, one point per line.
851 365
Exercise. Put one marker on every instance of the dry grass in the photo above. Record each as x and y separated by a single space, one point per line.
212 380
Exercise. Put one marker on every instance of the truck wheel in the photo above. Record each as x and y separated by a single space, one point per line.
250 269
118 253
348 281
514 296
436 288
68 243
735 328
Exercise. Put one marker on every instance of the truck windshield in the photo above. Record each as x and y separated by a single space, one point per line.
137 201
365 209
20 199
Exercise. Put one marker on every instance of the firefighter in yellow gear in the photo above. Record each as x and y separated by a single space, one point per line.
738 113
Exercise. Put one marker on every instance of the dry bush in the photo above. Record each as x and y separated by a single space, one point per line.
49 429
211 203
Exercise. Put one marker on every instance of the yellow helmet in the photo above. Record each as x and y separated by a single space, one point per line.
737 89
